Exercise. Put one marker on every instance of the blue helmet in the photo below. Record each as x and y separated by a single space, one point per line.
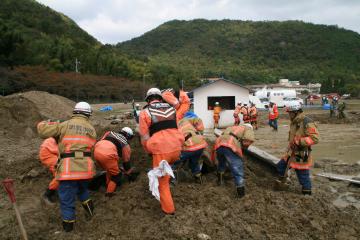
190 115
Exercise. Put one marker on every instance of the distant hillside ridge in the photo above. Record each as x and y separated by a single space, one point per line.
251 52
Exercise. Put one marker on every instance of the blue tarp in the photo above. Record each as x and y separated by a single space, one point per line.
106 108
326 106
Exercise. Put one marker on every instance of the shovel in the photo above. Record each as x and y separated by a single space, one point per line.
281 184
9 188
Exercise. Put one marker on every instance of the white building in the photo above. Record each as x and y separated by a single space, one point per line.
225 92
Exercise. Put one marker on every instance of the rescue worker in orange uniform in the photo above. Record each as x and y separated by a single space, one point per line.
161 138
253 116
273 116
236 113
217 111
178 99
302 135
76 137
107 153
192 127
229 151
48 155
245 113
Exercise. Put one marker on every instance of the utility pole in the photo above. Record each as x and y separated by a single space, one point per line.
77 63
182 84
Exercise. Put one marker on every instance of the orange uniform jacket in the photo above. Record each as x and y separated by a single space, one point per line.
181 105
246 114
164 141
273 112
108 150
237 111
191 128
253 113
76 138
48 155
232 137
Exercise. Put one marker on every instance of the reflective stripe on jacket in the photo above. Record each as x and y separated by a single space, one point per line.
302 135
75 136
190 128
163 141
228 139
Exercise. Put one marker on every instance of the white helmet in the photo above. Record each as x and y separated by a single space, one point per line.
137 105
293 106
248 125
127 132
216 103
83 108
152 92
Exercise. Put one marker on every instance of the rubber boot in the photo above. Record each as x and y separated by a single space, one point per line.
89 209
306 191
281 184
198 178
240 192
49 196
68 226
220 180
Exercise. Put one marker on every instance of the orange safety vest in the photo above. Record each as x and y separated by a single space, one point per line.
110 148
158 129
273 112
76 140
193 140
163 116
231 138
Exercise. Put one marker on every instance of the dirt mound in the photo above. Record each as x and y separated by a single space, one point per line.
50 105
19 113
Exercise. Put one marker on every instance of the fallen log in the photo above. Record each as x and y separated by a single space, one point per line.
346 178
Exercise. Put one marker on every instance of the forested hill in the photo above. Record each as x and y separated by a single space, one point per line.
33 34
253 51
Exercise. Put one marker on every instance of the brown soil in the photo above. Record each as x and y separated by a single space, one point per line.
201 209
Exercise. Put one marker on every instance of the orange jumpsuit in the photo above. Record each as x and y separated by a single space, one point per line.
253 116
161 138
181 104
217 110
48 155
106 154
236 114
246 114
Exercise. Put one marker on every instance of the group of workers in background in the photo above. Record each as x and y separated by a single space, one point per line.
168 131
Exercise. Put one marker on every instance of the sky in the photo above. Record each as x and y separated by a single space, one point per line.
113 21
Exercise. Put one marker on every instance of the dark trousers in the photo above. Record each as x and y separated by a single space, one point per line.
273 123
68 191
225 157
193 158
303 175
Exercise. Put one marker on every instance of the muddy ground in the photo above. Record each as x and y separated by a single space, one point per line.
203 211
